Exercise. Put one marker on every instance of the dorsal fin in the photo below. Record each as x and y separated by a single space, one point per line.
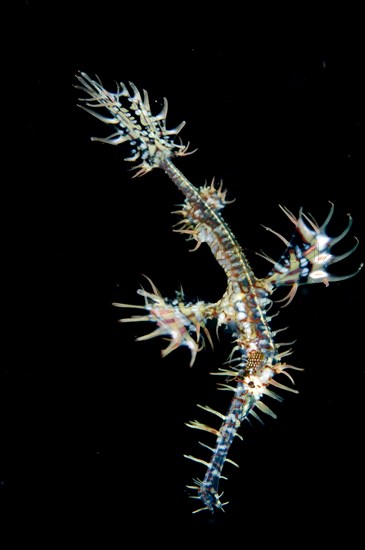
308 254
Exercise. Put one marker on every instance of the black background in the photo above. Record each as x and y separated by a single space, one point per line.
93 432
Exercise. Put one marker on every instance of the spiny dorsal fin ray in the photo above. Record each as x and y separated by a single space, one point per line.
308 254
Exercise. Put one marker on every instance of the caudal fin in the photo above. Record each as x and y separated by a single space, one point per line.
151 142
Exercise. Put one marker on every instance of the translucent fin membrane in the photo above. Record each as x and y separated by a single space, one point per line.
308 254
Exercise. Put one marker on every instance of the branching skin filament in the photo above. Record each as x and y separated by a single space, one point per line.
256 360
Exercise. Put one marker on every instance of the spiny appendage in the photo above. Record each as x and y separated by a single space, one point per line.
174 318
252 378
131 114
308 254
213 197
